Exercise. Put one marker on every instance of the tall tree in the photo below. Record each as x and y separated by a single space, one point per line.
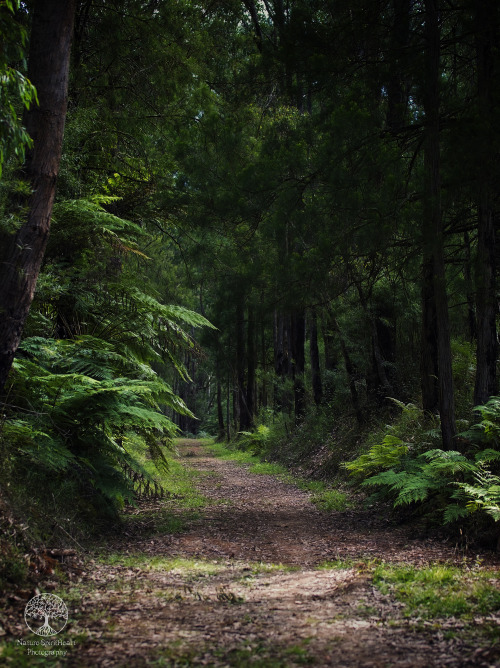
432 229
487 40
49 59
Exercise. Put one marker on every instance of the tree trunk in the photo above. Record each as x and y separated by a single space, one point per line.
281 336
298 363
428 347
384 387
486 300
244 416
432 223
317 386
469 288
251 364
48 70
221 430
351 373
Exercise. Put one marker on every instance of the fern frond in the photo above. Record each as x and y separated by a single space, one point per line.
454 512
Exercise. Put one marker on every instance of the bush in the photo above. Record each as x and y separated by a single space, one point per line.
458 483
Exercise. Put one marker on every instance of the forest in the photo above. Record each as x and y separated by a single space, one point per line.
264 232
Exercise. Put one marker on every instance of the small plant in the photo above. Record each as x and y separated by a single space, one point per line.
484 494
331 500
255 441
379 457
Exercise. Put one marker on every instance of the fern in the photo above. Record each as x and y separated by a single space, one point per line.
380 456
90 375
405 487
484 494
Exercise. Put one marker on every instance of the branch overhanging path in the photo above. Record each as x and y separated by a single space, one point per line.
242 586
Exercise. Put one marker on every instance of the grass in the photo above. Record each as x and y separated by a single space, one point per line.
331 500
159 563
440 590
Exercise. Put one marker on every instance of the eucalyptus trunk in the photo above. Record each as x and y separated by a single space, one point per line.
298 363
432 229
317 385
487 35
48 70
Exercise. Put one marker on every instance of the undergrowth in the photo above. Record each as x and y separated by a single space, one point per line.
440 590
407 467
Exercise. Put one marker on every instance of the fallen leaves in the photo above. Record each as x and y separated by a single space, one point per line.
246 587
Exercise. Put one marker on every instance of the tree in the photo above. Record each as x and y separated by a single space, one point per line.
488 72
49 58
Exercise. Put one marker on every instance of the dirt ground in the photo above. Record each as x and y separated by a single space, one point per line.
241 587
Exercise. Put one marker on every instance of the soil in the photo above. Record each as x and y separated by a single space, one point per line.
254 593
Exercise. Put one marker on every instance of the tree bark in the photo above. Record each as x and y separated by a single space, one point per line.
428 347
221 430
48 70
486 300
432 223
240 364
298 363
317 386
384 386
282 367
351 374
469 288
251 365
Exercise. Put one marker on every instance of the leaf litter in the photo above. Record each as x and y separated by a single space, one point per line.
261 577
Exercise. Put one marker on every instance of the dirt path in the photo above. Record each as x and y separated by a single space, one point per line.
241 587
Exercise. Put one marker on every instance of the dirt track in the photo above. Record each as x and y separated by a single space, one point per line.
254 596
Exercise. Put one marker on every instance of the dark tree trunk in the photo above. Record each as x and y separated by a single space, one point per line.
251 365
432 223
383 386
317 385
228 408
240 365
282 365
221 430
486 300
331 360
263 388
351 374
471 312
48 70
298 363
428 350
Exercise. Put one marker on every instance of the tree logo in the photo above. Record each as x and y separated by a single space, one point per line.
48 608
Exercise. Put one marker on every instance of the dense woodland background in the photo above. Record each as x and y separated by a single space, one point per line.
274 223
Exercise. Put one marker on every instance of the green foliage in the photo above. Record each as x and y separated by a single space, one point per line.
484 493
331 500
439 590
88 393
16 91
80 411
457 483
487 430
255 441
380 456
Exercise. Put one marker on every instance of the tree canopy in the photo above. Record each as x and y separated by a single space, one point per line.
313 186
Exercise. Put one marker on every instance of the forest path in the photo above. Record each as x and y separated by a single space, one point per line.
243 586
